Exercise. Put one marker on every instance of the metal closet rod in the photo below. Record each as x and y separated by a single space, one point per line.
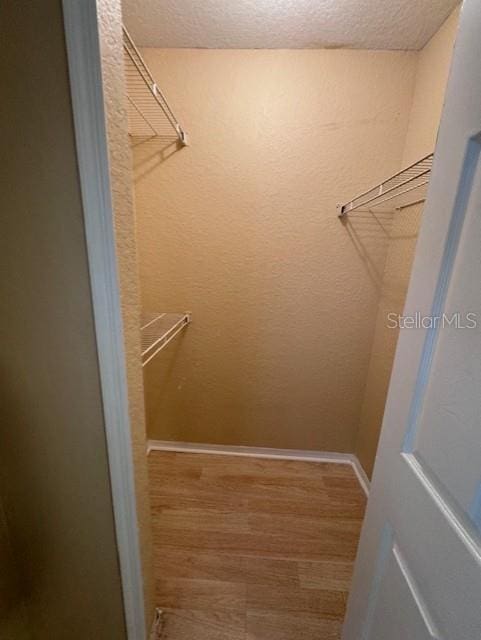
411 173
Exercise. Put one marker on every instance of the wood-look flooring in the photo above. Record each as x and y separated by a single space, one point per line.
253 549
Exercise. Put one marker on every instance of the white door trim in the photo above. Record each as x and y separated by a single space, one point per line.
84 63
302 455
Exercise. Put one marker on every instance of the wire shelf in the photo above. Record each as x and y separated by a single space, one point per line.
403 189
157 330
148 110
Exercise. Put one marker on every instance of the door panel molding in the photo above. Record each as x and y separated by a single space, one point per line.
393 572
457 518
416 593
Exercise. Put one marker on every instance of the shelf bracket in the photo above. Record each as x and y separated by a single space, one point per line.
403 182
158 330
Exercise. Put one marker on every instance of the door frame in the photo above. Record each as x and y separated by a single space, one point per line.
84 66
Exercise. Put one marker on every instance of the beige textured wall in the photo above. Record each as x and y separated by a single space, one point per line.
53 461
241 229
110 24
431 78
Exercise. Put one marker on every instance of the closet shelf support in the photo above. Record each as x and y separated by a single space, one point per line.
414 178
148 110
158 330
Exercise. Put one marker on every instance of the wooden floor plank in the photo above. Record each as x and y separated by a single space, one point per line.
218 466
202 595
202 519
181 563
252 549
305 526
319 602
203 625
322 508
332 575
274 546
261 625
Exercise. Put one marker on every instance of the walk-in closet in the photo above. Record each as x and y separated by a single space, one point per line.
279 175
279 180
264 171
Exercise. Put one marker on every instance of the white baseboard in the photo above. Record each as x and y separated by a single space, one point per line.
264 452
361 474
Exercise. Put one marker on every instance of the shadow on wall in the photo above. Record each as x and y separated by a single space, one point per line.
150 152
369 232
403 234
400 229
157 391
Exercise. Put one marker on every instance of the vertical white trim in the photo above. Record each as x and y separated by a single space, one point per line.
361 475
84 62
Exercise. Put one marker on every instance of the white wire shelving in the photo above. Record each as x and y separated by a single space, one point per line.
148 110
403 189
157 330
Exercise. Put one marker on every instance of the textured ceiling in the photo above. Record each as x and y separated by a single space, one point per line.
285 24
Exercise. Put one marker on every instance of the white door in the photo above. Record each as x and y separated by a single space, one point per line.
418 571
